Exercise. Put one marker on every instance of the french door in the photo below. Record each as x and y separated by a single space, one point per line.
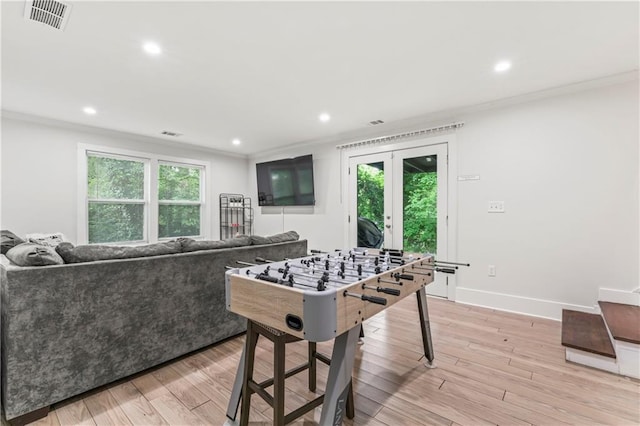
398 199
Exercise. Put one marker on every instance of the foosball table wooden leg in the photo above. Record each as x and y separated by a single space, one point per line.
424 326
278 380
312 366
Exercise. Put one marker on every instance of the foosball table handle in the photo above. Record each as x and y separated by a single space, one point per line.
374 299
399 276
389 291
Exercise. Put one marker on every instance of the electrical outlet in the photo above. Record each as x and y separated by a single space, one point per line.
496 207
492 270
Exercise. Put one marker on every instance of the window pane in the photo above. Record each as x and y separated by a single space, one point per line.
420 202
114 178
370 203
110 223
178 183
178 221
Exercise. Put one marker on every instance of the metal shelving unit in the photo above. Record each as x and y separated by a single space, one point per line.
236 215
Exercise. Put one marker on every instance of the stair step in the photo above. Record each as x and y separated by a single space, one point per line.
623 321
586 332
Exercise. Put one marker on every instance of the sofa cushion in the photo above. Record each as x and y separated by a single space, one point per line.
9 241
90 253
277 238
193 245
257 240
30 254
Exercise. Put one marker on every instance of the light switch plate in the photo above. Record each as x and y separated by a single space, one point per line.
492 270
496 207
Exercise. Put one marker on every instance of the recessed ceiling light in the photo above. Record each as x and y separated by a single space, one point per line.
324 117
502 66
236 141
152 48
89 110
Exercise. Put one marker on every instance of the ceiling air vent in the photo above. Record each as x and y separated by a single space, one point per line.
375 122
48 12
174 134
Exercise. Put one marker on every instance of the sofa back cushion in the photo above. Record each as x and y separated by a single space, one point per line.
189 245
30 254
90 253
277 238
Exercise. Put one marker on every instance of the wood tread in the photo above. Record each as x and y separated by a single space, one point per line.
623 321
586 332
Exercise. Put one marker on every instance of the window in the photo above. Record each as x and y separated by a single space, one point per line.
179 199
129 197
116 199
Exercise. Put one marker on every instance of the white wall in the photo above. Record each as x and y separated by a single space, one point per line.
40 172
566 168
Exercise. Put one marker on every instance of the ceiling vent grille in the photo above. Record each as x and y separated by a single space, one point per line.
48 12
375 122
174 134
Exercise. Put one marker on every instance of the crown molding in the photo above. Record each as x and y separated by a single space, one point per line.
437 118
67 125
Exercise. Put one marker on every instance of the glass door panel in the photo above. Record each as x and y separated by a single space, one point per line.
369 181
370 206
420 205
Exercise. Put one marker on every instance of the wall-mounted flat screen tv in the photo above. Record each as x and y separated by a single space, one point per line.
286 182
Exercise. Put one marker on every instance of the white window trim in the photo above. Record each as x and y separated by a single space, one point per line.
152 162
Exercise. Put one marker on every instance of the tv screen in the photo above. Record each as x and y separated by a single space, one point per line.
286 182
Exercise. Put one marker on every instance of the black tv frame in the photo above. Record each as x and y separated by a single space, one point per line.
286 168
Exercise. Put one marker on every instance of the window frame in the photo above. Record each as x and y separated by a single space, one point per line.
145 193
151 207
181 202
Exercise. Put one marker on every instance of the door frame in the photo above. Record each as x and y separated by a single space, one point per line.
452 190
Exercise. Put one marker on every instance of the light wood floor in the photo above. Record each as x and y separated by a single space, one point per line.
491 368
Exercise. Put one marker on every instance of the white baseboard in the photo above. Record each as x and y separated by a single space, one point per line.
619 296
518 304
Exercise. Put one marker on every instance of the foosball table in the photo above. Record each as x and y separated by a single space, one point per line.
326 296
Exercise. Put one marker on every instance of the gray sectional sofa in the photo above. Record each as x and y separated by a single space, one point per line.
69 328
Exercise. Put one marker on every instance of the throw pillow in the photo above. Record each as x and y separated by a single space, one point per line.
30 254
50 240
90 253
9 241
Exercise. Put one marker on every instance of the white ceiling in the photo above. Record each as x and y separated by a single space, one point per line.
263 72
